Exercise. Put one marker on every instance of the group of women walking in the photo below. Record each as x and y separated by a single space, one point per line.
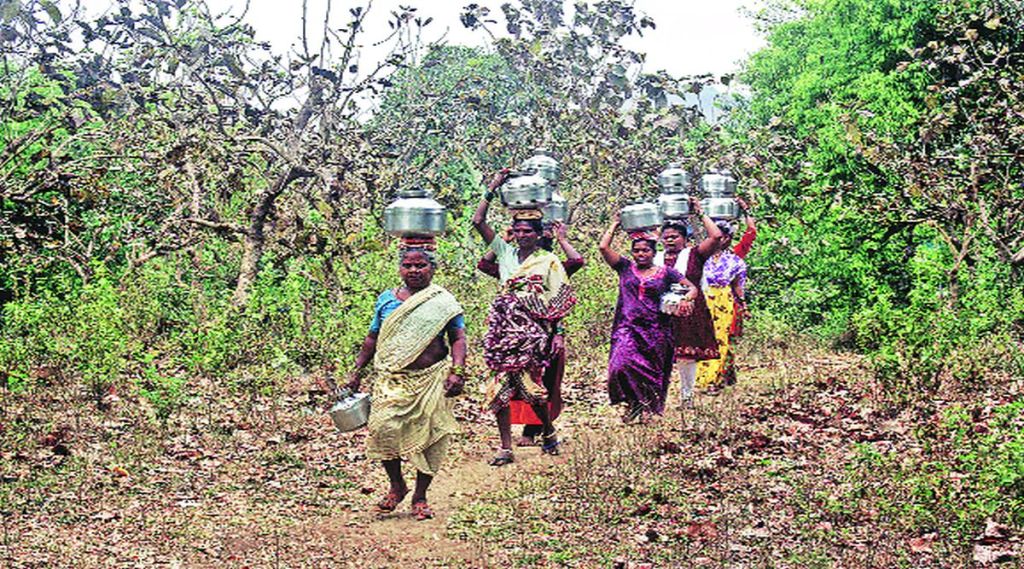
417 340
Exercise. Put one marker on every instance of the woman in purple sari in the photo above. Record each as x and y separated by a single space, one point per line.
642 345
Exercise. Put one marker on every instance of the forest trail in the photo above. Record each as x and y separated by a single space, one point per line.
399 540
736 481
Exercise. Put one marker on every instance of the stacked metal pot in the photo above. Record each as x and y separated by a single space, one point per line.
535 186
415 214
672 203
718 188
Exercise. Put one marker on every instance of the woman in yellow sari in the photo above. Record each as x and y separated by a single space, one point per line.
524 335
411 416
726 276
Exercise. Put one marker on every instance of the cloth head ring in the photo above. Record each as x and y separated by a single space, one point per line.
642 234
527 214
427 242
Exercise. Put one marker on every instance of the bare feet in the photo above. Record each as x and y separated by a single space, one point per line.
525 441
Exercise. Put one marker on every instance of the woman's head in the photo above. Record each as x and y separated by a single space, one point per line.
416 267
727 231
527 233
642 248
674 235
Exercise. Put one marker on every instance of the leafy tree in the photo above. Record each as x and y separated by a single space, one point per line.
211 107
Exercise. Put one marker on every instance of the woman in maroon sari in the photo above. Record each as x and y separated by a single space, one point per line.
643 345
695 334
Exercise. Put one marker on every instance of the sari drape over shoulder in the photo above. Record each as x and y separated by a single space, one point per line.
411 417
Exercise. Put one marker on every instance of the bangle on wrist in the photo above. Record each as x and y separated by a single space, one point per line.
458 370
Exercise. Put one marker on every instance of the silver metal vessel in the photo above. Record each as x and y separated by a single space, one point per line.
671 300
557 209
415 213
718 184
674 179
674 206
351 412
640 215
544 164
720 208
526 192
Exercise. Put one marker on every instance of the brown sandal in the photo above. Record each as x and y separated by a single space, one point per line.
422 511
390 502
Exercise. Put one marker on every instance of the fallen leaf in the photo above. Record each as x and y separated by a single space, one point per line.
922 544
990 554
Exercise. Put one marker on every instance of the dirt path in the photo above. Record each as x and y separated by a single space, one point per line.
399 540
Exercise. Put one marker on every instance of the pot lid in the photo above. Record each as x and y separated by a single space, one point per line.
674 177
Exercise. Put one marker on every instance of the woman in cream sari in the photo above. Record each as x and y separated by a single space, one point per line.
414 379
524 334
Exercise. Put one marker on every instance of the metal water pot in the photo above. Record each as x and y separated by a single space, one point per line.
557 209
351 412
674 179
674 206
671 300
526 192
674 201
639 216
415 213
718 184
720 208
544 164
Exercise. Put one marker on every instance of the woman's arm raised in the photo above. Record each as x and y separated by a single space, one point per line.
562 234
480 217
610 256
709 245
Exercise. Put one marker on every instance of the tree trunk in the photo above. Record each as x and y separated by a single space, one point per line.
255 240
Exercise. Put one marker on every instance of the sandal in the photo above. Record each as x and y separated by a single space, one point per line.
421 511
551 444
503 457
390 502
632 414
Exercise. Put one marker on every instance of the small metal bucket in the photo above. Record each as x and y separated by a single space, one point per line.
351 412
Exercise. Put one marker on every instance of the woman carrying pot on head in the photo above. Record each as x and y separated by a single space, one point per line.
523 331
554 373
726 275
694 334
414 328
642 345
